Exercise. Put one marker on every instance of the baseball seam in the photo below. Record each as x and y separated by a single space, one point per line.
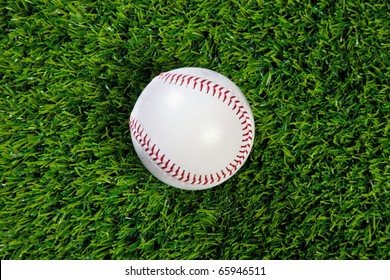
171 168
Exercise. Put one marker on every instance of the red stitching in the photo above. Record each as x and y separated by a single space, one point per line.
229 170
188 177
205 180
215 89
223 94
176 171
172 77
167 77
195 82
182 175
178 77
194 180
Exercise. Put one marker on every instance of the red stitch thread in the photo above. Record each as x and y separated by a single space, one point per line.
195 82
176 172
206 86
182 175
205 180
162 160
202 84
188 177
178 77
189 80
183 79
215 89
171 169
220 92
193 180
173 76
167 77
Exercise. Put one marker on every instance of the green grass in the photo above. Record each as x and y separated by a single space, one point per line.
316 186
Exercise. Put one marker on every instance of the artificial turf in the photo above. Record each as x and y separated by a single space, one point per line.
316 185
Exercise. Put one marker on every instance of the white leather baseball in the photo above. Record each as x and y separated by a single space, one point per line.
192 128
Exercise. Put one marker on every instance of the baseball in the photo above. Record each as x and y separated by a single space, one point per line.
192 128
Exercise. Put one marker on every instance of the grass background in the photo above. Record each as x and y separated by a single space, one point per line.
316 186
